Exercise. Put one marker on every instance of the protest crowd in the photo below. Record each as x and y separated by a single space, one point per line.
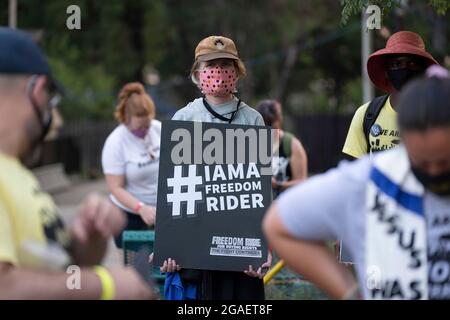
387 202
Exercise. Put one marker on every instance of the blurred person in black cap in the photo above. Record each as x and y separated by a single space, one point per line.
35 247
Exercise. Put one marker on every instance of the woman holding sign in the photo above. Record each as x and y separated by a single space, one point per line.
215 72
130 158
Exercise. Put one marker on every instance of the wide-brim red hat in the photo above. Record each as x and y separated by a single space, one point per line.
403 42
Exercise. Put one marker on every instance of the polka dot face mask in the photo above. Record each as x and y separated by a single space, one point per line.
218 81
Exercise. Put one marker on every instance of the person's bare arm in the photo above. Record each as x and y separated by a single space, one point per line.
19 283
97 221
311 259
116 184
88 253
299 164
23 284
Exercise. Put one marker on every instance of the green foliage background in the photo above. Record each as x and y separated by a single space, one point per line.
304 53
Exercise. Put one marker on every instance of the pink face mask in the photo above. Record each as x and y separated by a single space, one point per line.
218 81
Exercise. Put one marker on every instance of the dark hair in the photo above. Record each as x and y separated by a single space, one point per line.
424 103
268 110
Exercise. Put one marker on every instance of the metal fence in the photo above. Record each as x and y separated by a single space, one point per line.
323 137
79 147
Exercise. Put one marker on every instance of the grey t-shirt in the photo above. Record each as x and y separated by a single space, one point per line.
196 111
331 207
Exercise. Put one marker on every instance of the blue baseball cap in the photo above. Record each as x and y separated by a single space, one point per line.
19 54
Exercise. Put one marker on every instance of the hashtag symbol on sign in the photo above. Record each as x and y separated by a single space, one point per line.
190 196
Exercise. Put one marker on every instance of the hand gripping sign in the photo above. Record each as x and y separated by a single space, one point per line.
214 188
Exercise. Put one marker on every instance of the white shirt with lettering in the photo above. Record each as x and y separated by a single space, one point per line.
137 159
331 206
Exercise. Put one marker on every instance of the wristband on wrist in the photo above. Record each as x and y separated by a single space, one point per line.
107 281
138 207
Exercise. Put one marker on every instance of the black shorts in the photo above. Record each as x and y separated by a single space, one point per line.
134 223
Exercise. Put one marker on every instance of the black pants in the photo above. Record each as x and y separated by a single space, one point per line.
134 223
227 285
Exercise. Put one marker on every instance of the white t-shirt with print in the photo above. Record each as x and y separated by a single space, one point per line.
137 159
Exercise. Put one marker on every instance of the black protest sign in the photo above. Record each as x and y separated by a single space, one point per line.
214 188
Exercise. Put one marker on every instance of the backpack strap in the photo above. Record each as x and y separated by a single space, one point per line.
287 143
372 112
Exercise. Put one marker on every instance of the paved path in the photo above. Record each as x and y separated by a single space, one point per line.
69 200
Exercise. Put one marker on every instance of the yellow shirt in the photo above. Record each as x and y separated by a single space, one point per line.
29 222
384 134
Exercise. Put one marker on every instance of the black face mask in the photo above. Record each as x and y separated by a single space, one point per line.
45 122
399 77
439 184
33 154
46 125
32 157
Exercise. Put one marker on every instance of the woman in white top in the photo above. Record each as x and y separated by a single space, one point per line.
130 158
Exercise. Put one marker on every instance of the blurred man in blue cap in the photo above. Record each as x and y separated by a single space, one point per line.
35 247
